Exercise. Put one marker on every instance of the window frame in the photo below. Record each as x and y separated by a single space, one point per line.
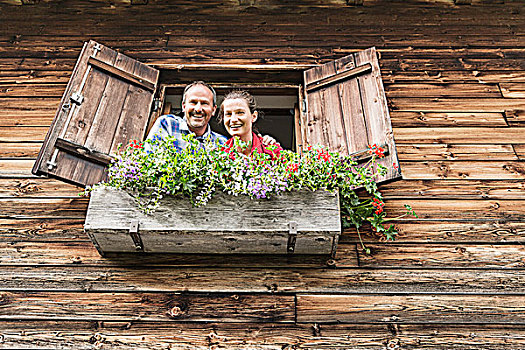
268 77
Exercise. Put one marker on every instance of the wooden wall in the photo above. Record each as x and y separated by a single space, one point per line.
455 80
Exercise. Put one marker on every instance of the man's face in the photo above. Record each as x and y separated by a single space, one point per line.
198 108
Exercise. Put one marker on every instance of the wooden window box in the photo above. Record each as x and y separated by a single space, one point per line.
302 222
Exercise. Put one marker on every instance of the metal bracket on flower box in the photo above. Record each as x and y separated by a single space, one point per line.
292 237
135 236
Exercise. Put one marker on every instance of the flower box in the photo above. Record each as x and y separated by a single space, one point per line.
299 222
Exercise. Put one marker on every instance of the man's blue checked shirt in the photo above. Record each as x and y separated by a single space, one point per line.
175 126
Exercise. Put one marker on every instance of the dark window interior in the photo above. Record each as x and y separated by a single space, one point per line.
276 93
276 111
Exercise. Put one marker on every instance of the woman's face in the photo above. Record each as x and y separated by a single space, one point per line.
237 118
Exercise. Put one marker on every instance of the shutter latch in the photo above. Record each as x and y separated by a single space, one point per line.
135 236
292 237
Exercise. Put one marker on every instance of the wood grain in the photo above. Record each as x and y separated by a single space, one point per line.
414 308
155 335
146 307
170 279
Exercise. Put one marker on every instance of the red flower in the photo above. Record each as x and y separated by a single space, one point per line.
378 151
378 204
395 166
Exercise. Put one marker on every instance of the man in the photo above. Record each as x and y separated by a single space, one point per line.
199 102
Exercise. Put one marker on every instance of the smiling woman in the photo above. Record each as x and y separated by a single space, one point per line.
238 112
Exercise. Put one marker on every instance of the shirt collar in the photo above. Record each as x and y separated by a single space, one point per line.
184 127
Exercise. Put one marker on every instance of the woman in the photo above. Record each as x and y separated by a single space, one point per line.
238 112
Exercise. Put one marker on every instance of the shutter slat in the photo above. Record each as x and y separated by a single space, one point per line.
121 73
116 97
347 109
106 119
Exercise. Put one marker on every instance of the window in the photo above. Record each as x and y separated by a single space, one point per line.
340 104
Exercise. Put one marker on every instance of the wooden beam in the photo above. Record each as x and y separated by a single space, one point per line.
354 2
463 2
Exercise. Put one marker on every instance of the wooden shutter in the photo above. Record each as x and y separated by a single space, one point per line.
106 102
346 109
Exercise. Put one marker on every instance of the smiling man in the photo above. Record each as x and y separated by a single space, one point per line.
199 102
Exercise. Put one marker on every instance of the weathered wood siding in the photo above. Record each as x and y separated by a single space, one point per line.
455 81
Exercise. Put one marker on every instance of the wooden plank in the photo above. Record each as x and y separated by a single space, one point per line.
174 279
490 309
438 76
36 207
446 255
19 150
445 232
460 209
466 170
461 152
472 135
133 121
323 122
16 168
57 229
18 134
38 187
155 335
512 90
457 105
32 90
122 74
146 307
455 189
83 252
339 77
429 61
376 113
442 90
33 76
448 119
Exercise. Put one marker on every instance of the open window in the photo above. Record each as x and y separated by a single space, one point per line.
112 98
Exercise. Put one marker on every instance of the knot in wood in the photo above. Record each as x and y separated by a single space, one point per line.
330 262
392 344
175 312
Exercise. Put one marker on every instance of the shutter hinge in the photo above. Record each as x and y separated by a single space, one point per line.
156 104
292 237
303 107
77 98
96 49
135 236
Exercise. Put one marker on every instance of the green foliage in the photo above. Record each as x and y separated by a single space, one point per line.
200 170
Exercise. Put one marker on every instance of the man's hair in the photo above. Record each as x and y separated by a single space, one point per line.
200 82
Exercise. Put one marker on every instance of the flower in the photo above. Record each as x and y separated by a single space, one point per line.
375 150
197 173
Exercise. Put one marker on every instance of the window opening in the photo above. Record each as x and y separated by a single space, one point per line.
276 106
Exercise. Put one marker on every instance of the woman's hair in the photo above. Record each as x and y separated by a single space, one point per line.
238 94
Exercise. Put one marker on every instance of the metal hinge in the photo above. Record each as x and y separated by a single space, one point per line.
135 236
76 97
292 237
156 104
303 107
